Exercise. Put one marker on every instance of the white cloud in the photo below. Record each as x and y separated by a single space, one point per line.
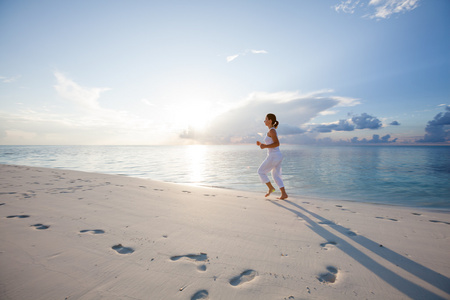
347 6
233 57
259 51
84 97
346 101
9 79
147 102
383 8
99 128
92 125
243 122
328 112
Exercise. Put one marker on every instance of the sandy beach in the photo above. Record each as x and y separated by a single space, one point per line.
75 235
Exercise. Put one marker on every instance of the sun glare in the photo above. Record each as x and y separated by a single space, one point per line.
198 118
194 115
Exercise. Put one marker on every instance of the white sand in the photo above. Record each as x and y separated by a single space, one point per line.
183 242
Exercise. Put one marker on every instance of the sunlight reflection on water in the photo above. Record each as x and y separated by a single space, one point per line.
195 156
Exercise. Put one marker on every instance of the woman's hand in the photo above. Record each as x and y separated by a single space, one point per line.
258 143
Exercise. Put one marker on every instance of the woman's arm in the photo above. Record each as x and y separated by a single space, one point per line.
276 142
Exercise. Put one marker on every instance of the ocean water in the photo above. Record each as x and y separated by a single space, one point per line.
417 176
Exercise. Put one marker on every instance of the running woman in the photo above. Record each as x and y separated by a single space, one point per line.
273 159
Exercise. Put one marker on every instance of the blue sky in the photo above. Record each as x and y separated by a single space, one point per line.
181 72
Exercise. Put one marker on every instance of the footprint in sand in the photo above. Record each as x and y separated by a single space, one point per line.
193 258
203 294
93 231
244 277
202 268
40 226
123 250
395 220
18 216
330 276
351 233
331 243
436 221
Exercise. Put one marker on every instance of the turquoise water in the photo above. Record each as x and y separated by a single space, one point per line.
416 176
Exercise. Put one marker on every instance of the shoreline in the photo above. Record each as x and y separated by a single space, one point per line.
318 198
413 178
80 235
424 208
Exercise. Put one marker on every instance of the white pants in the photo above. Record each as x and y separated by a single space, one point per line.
272 163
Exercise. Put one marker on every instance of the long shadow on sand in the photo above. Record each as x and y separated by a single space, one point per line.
405 286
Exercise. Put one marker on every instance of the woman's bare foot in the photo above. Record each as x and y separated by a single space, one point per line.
270 192
283 197
271 188
283 194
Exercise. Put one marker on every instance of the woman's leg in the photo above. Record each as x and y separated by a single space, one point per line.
277 177
263 170
276 174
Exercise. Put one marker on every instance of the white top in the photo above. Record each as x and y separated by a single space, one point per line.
268 140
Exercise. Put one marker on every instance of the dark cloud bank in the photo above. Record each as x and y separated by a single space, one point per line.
438 129
364 121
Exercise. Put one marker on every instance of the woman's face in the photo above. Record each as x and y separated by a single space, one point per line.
268 122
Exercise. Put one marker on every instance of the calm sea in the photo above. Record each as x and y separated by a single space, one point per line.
398 175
